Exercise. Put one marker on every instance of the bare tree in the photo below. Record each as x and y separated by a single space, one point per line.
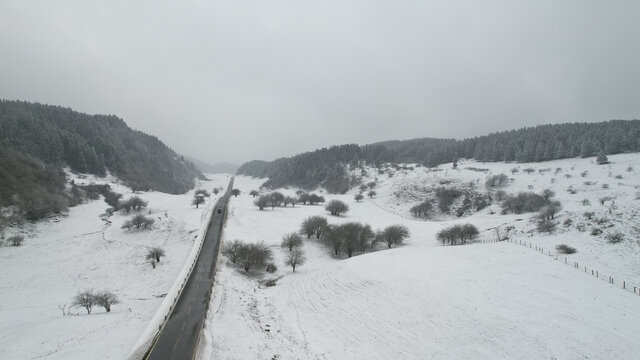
545 225
202 192
85 299
290 200
63 308
395 234
254 255
314 225
155 253
139 221
366 237
315 199
548 194
215 191
296 258
105 299
303 197
333 238
350 233
275 199
261 202
134 203
549 212
232 250
291 240
335 207
197 200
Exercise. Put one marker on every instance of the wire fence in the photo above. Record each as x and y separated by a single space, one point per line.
616 282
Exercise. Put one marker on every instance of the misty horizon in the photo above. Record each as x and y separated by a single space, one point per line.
237 82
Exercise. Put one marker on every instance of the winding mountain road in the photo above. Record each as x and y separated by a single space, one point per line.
179 337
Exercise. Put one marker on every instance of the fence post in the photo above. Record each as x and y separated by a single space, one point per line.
624 284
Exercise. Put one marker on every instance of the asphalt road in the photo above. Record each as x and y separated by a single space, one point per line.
180 335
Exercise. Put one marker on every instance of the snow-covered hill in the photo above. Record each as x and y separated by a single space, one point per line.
422 300
78 251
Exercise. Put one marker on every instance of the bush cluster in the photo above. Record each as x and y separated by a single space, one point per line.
273 200
138 221
495 181
524 202
565 249
351 237
247 255
89 298
459 232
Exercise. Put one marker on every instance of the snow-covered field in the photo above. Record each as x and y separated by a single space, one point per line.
422 300
78 251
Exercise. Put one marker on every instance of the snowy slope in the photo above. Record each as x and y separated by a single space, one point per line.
71 253
422 300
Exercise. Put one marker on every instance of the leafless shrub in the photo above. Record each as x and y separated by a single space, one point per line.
586 202
596 231
498 180
589 214
546 225
64 308
565 249
105 299
15 240
615 237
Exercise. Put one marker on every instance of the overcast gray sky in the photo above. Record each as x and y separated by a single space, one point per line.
238 80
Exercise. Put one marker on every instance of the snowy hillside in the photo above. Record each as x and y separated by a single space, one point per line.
70 253
422 300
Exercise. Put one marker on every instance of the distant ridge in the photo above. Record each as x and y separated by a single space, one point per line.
218 168
325 167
